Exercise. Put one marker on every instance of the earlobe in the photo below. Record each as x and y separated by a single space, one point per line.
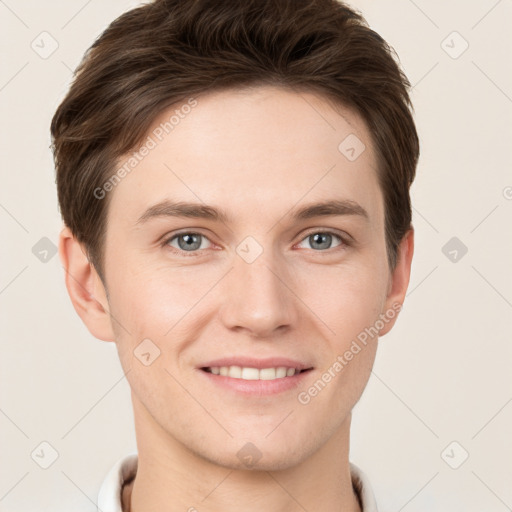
85 288
399 280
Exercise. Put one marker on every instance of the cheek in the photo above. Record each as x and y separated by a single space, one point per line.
348 302
154 300
150 315
158 311
347 299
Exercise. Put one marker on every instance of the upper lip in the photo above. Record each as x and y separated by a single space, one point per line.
251 362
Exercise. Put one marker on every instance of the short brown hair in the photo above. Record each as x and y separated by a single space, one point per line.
163 52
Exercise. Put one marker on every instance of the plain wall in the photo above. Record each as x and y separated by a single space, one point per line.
442 375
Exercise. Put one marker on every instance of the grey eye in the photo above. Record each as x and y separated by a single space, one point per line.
188 242
321 240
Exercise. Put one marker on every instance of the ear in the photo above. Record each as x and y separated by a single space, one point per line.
85 288
398 281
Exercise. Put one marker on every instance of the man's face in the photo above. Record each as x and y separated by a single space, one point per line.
259 284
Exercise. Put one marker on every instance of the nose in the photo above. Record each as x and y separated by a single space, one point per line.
259 297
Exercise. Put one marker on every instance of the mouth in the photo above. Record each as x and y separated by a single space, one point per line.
249 373
255 377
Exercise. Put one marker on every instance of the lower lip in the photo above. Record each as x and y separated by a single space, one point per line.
257 387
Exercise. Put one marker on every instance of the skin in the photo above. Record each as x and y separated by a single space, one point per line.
259 154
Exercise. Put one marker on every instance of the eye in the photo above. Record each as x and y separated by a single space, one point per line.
190 243
187 242
321 240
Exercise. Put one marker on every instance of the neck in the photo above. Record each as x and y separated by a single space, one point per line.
171 478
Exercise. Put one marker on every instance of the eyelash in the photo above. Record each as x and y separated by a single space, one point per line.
344 242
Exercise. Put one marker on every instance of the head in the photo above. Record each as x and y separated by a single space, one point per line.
256 111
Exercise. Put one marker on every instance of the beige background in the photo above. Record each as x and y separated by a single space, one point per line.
442 375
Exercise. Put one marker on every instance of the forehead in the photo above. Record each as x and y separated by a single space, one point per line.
248 148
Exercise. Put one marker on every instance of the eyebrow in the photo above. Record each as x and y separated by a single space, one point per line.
168 208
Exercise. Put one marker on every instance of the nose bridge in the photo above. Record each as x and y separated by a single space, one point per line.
257 293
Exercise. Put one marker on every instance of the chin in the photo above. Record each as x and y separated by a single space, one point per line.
267 462
254 455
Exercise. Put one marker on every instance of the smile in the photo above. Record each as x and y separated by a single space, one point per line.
247 373
255 382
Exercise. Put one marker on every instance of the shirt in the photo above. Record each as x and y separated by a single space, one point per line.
125 469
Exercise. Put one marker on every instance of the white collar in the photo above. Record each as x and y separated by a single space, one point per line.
125 469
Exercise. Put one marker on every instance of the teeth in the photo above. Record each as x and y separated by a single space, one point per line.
267 374
280 372
235 372
238 372
250 374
